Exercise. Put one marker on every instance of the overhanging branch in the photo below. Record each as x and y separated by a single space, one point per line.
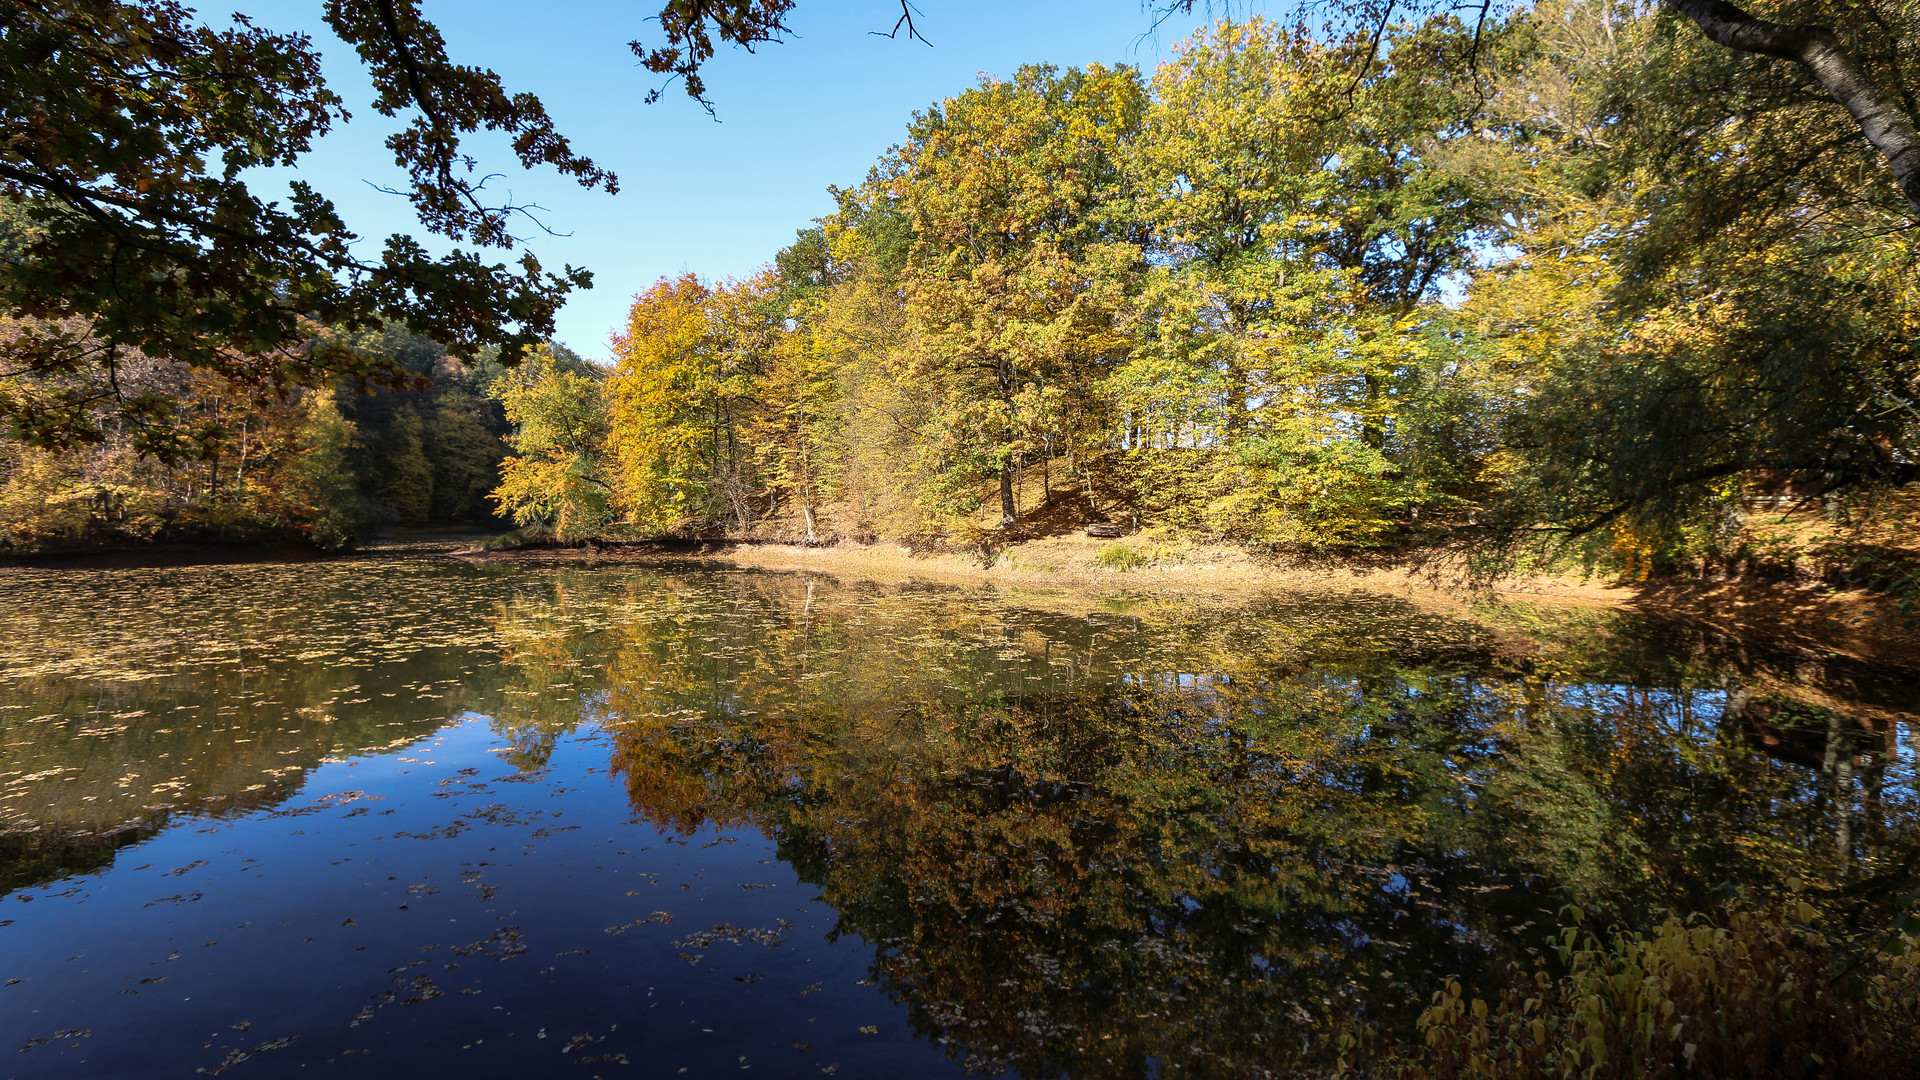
1815 48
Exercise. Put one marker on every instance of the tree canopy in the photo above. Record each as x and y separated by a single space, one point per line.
1291 290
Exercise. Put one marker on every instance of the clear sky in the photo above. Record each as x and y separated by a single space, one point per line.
716 198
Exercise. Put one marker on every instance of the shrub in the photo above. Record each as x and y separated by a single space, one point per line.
1120 557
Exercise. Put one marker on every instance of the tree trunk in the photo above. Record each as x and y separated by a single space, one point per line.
1373 430
741 511
1236 373
1008 383
1237 414
1815 48
1838 765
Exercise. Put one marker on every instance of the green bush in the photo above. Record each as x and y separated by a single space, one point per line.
1120 557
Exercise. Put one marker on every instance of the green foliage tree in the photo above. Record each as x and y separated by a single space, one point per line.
1016 274
1287 358
340 517
465 451
448 423
556 477
1675 354
406 481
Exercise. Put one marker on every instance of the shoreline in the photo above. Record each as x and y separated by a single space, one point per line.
1052 566
1816 621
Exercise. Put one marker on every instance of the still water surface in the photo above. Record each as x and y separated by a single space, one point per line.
403 815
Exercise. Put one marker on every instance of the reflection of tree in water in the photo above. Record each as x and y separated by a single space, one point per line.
28 859
1848 753
1078 885
1821 731
89 760
211 690
1072 860
548 692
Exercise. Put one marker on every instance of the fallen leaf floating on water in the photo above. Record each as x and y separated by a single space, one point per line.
662 917
238 1056
71 1033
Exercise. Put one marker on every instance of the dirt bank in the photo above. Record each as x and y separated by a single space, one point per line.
423 540
209 554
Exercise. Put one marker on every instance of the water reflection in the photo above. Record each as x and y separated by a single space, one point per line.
1083 846
1140 838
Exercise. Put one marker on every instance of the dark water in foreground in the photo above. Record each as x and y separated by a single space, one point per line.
400 816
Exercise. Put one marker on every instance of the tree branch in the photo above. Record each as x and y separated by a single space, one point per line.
905 20
86 199
1815 48
410 71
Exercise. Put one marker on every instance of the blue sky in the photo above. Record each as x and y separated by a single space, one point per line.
716 198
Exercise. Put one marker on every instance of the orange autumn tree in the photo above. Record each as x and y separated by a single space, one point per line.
243 462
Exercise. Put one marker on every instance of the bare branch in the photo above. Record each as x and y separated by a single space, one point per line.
907 11
1373 49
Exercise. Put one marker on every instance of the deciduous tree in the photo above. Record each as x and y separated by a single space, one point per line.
1015 276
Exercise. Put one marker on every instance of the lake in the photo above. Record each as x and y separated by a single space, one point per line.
402 814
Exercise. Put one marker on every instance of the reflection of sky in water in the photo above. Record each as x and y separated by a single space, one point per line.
406 816
1681 712
428 917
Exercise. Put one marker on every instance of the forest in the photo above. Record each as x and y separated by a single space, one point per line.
1270 294
1504 283
312 466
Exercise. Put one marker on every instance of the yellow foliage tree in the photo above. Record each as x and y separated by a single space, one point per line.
681 397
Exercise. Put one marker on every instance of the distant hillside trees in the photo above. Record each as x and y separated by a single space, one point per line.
242 462
430 453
